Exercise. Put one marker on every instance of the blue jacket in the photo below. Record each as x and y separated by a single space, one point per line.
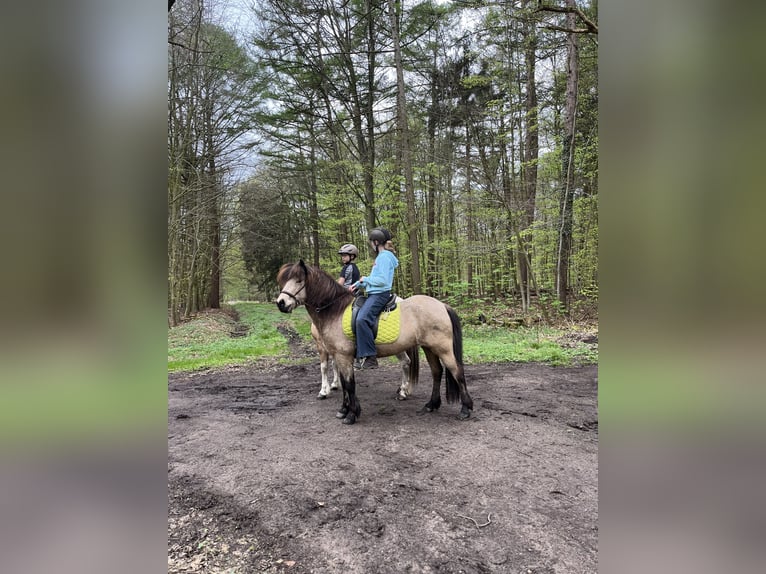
381 277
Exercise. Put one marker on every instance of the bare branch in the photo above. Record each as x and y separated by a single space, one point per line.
568 30
188 48
592 28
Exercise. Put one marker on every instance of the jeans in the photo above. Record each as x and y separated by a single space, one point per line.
365 320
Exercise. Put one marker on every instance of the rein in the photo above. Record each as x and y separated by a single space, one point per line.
325 306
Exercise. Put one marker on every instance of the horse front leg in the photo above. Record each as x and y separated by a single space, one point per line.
325 360
324 357
436 371
325 389
350 409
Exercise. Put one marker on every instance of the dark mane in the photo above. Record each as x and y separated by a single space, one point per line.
323 293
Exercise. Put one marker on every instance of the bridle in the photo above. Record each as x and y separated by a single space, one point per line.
298 303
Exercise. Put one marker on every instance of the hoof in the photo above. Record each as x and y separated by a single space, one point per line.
350 419
430 407
321 397
341 414
401 397
465 413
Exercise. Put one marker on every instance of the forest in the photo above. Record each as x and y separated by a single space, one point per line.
467 128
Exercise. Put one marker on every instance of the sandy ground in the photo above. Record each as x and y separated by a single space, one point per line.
263 478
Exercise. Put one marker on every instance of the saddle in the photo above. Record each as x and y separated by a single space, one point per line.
387 322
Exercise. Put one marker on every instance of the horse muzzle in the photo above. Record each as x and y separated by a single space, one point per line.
284 307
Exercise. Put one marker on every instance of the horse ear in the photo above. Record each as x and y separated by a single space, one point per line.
303 266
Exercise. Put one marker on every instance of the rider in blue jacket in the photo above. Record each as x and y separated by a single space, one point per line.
378 287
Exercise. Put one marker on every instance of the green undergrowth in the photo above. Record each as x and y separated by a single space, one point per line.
216 339
486 344
250 331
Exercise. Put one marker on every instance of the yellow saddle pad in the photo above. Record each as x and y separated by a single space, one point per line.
388 325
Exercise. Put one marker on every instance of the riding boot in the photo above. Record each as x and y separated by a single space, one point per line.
369 363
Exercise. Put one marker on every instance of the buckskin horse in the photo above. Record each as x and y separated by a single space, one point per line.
409 362
425 322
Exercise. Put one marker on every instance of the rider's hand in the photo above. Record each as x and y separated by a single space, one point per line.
356 285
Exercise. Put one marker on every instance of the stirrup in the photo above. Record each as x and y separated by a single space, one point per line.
369 363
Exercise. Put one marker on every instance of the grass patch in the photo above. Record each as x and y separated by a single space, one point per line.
483 344
207 341
211 339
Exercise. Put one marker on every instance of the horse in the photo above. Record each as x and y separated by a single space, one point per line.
408 360
425 322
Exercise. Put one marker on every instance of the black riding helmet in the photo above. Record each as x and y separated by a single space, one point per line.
380 234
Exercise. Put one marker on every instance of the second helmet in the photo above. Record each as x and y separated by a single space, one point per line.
380 234
348 249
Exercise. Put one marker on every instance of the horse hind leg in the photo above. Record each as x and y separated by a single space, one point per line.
456 387
405 388
453 361
410 364
436 371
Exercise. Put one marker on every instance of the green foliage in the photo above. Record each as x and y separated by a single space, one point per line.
585 236
457 293
476 81
235 276
334 161
266 226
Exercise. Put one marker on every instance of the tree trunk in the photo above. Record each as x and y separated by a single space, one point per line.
214 217
214 291
313 202
567 164
470 238
431 187
405 153
369 166
529 160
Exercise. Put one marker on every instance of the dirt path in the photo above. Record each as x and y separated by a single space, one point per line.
263 478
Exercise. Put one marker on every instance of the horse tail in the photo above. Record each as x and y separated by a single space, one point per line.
457 335
414 372
453 389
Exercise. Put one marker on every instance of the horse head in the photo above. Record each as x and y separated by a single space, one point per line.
292 278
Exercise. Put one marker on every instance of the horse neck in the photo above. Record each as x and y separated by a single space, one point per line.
325 299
